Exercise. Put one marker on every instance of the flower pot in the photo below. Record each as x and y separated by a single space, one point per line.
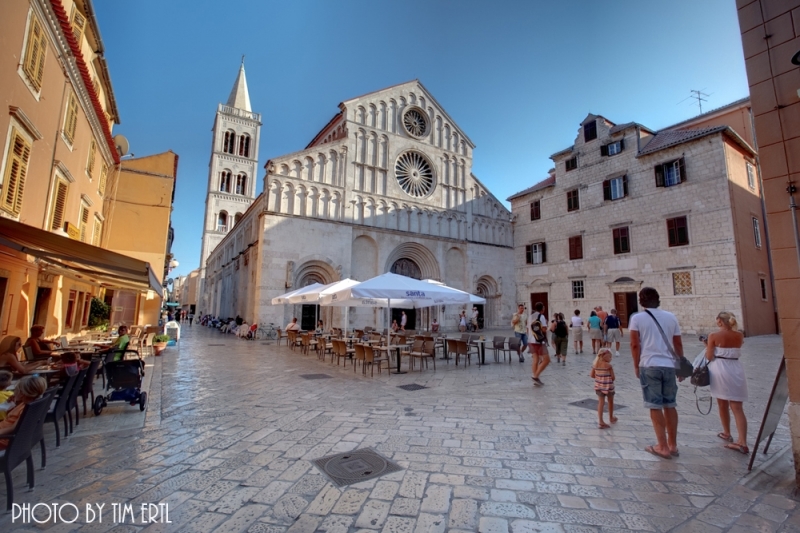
159 347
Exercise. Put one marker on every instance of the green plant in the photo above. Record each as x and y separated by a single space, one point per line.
160 338
99 313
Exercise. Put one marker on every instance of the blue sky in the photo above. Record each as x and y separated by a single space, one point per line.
517 76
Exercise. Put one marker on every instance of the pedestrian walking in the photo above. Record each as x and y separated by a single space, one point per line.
613 331
595 326
191 318
462 322
728 383
654 365
577 330
520 321
603 315
403 321
558 327
603 374
537 342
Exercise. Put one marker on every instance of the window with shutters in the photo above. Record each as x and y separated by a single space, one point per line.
90 159
536 212
87 306
615 188
35 53
612 148
622 240
763 288
576 247
577 289
751 177
671 173
59 205
756 233
19 153
571 164
682 283
78 24
97 231
70 309
536 253
101 185
71 118
677 231
573 200
84 222
590 131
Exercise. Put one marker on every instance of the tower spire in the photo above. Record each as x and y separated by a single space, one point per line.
240 97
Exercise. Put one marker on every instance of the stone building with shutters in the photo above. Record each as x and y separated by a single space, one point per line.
626 207
385 186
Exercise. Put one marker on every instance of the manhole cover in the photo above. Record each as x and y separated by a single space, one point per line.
356 466
216 345
411 386
315 376
591 403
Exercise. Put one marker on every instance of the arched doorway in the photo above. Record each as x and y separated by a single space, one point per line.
406 267
488 312
307 274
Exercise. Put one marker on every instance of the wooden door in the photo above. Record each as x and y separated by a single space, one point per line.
539 297
626 303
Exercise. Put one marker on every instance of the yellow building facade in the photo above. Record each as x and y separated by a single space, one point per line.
57 167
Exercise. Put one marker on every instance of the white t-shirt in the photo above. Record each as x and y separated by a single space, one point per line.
654 352
577 322
403 320
293 326
542 320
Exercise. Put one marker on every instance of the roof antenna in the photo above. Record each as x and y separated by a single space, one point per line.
242 59
698 95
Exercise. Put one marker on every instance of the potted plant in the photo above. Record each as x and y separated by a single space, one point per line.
159 344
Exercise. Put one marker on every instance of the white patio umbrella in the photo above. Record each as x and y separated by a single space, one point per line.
312 293
284 298
473 299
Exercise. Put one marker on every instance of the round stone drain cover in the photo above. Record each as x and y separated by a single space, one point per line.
352 467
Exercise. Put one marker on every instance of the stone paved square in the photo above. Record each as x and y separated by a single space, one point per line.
231 432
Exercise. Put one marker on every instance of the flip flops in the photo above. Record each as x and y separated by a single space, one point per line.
603 426
725 437
738 448
651 450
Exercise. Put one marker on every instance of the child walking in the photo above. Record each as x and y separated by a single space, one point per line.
603 374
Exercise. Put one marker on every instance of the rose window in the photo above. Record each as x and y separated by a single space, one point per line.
416 122
414 174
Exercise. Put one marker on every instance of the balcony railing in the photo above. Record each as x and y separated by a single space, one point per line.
222 229
240 112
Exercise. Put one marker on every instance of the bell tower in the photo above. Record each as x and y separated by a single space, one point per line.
231 170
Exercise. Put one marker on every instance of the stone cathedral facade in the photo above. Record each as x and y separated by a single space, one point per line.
385 186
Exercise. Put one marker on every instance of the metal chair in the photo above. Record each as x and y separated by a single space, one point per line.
59 410
87 389
498 345
21 442
72 401
514 345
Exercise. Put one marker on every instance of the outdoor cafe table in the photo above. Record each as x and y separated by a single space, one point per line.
396 348
480 343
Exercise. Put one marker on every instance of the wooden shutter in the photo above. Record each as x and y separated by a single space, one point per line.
625 185
97 231
71 119
607 190
682 168
84 222
90 159
16 170
544 252
59 205
604 150
529 254
101 186
576 247
78 24
35 52
659 175
621 144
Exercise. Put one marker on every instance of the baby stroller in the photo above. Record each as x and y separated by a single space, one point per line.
124 380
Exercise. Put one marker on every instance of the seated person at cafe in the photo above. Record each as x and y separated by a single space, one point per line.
5 395
395 327
9 347
320 327
293 325
27 390
119 345
71 364
435 326
42 349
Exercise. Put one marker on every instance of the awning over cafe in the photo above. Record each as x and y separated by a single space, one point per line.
94 264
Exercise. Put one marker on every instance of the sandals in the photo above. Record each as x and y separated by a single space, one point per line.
738 448
652 450
603 426
725 437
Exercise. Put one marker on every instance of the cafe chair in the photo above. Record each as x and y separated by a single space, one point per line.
59 409
72 401
39 437
307 343
359 356
21 442
498 345
87 389
324 347
344 352
428 351
462 350
514 344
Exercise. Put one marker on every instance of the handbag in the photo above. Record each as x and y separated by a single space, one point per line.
684 368
700 376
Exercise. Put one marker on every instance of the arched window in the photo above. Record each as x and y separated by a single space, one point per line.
237 218
222 222
244 146
225 181
241 184
229 143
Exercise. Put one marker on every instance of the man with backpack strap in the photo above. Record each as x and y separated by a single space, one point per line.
537 342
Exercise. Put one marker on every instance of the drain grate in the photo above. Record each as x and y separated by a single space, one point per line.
411 386
591 403
355 466
315 376
215 345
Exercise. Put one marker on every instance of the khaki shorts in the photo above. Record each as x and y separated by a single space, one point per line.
614 335
577 334
596 334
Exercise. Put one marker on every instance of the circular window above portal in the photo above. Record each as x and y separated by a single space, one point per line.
415 121
414 174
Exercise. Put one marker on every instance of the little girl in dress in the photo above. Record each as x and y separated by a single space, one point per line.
603 374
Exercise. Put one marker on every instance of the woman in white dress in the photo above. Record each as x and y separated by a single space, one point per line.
728 384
